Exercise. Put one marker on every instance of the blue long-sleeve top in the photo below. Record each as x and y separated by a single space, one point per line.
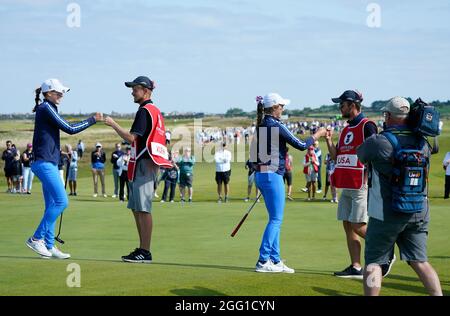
47 126
268 146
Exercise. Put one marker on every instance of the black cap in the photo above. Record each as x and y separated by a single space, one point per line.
141 81
349 95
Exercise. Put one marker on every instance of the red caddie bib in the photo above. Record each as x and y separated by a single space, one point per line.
155 144
349 171
305 168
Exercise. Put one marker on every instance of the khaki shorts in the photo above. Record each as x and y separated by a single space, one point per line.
352 206
143 186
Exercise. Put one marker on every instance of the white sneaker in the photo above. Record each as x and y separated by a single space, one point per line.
57 254
156 195
38 246
114 196
284 268
267 267
105 196
319 191
94 195
162 201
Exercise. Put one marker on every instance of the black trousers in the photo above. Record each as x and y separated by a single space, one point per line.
447 187
123 181
172 186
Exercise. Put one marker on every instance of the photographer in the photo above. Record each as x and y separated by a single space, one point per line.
390 222
98 158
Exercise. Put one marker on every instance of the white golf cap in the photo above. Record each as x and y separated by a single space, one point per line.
53 85
98 145
272 99
397 105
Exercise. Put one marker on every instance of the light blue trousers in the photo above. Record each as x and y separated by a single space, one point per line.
55 198
272 188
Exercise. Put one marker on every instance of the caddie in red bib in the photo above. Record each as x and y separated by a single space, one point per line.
155 144
349 171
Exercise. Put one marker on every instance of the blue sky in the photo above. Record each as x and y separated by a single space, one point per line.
212 55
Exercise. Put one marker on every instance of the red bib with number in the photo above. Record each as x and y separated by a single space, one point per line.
155 143
349 171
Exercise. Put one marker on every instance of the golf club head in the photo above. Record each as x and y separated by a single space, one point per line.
59 240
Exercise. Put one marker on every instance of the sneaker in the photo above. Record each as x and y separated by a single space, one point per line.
105 196
38 246
114 196
190 201
219 200
304 190
308 199
156 195
138 256
386 268
226 199
75 194
70 194
350 273
267 267
182 201
162 201
290 198
30 193
284 268
319 191
172 201
58 254
94 195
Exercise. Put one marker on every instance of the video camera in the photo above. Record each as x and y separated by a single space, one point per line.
424 118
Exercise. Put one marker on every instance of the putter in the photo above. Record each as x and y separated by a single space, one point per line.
245 216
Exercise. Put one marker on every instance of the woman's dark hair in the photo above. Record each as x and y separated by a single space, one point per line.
37 99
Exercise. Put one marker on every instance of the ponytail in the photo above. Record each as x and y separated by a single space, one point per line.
37 99
259 111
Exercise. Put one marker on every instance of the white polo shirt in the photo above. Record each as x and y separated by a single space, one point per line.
447 164
223 160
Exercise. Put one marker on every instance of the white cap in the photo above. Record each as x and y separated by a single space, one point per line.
53 85
272 99
98 145
397 105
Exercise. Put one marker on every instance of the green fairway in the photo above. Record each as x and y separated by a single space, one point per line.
192 249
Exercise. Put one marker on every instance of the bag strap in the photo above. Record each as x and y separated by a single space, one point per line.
392 139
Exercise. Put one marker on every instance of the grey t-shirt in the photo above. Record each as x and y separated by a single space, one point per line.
378 151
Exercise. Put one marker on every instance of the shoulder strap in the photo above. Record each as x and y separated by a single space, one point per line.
392 139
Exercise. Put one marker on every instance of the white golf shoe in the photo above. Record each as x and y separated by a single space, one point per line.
267 267
38 246
58 254
284 268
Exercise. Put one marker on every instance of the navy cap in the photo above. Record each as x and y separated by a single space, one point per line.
141 81
349 95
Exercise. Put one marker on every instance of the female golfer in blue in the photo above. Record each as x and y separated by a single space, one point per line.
46 144
272 136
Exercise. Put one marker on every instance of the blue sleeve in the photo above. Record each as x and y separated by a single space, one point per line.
286 134
65 126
